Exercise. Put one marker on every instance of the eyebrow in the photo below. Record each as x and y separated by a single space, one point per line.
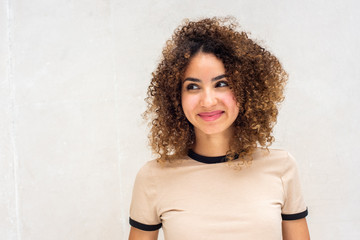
198 80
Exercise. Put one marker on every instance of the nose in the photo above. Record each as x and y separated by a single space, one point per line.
208 99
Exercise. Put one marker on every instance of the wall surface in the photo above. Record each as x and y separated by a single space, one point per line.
73 76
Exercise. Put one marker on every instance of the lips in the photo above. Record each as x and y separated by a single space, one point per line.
211 116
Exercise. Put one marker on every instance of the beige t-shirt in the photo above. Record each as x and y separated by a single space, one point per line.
204 198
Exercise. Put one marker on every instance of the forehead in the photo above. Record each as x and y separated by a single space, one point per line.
204 65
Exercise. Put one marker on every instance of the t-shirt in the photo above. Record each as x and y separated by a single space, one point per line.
200 197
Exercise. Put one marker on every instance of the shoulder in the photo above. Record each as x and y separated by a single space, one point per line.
153 168
278 159
273 154
146 180
149 165
288 164
148 169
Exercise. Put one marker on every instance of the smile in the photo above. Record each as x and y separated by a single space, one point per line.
210 116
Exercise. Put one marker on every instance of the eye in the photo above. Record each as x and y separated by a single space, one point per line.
192 86
221 84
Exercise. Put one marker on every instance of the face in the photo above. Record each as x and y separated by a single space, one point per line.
207 101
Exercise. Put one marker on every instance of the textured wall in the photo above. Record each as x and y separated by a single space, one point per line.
8 198
73 76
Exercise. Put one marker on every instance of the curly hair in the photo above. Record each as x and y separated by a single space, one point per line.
255 76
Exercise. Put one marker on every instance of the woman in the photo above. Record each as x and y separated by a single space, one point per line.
213 103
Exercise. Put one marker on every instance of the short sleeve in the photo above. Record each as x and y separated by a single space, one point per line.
294 205
143 211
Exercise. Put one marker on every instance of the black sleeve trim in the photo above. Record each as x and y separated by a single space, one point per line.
295 216
144 227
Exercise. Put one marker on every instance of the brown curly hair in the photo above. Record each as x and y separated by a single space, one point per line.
255 76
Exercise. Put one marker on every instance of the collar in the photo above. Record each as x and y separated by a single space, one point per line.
207 160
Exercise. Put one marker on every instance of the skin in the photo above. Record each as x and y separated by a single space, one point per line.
205 90
137 234
295 230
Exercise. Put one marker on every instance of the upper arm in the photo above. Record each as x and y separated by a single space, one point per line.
143 207
294 210
137 234
295 230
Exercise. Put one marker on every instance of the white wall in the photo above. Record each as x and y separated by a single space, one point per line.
73 76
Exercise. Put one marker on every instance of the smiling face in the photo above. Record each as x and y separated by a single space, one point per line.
207 101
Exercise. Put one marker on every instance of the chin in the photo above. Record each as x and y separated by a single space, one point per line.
212 131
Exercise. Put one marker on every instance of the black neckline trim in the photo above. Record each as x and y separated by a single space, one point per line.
208 160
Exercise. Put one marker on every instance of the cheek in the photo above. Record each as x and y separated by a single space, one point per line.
230 101
188 103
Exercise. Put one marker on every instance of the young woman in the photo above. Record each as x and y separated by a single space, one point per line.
213 103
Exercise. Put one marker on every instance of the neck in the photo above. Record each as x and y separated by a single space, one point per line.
212 145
